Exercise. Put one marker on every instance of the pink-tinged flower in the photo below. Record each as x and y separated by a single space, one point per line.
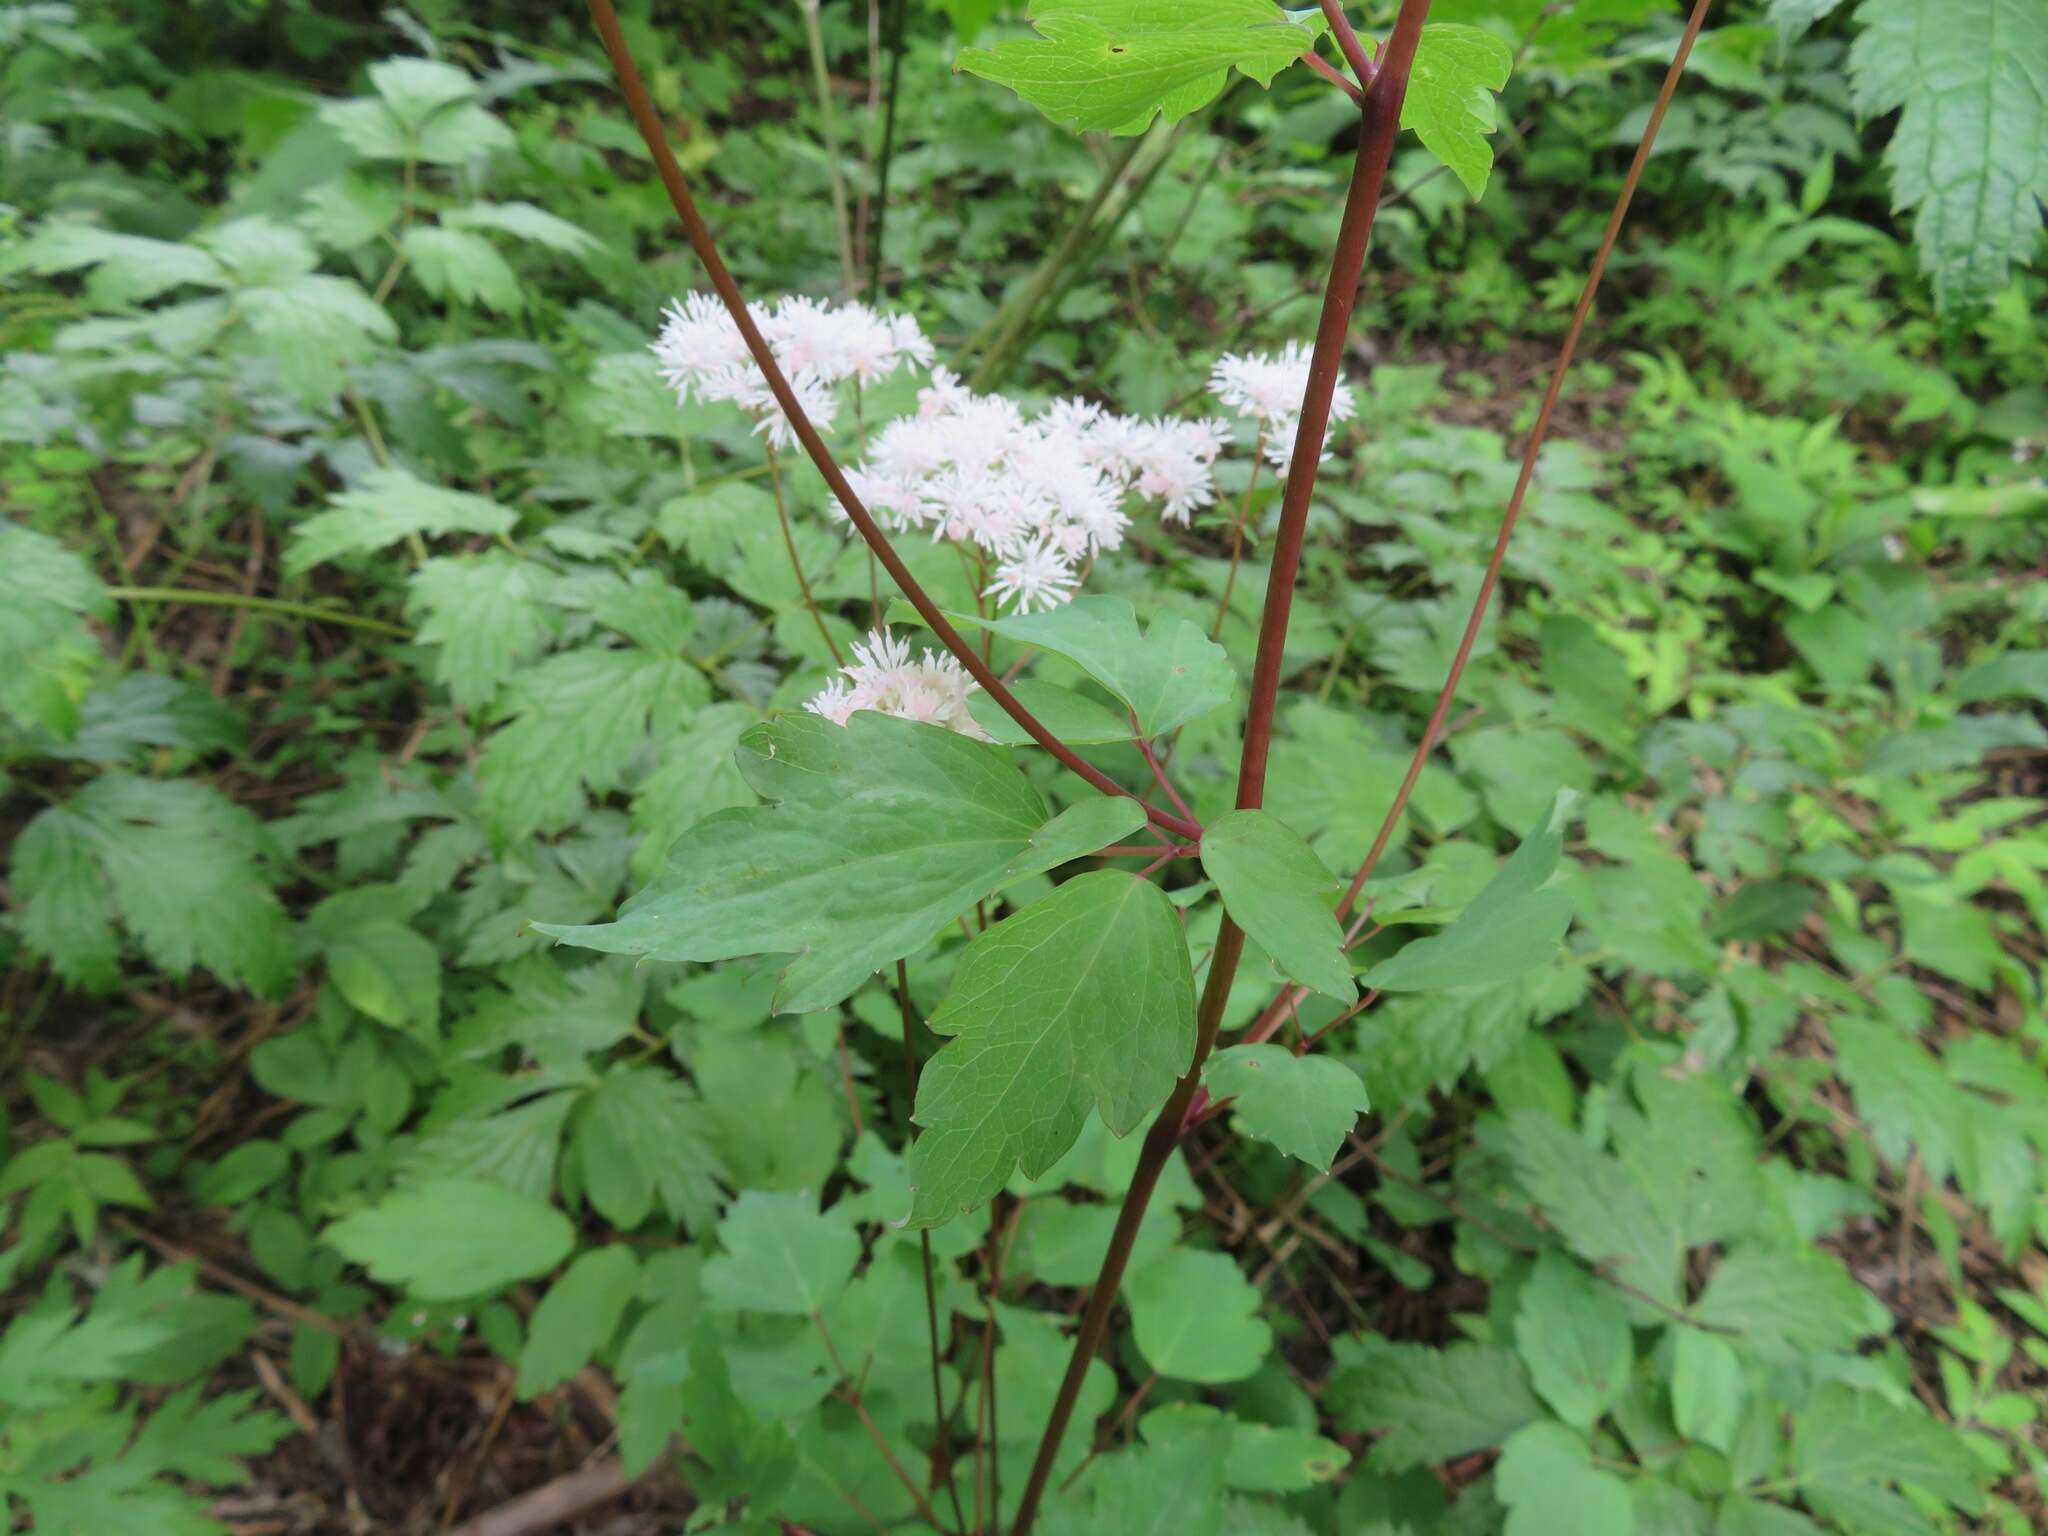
882 677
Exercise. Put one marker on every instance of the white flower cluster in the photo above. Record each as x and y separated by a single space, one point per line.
883 677
819 346
1036 495
1268 388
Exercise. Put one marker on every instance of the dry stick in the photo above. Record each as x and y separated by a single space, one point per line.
645 118
1381 119
940 1450
1269 1021
552 1506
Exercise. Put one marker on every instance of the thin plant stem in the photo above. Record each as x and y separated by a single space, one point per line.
796 563
821 79
1158 769
1098 243
850 1393
1348 44
888 151
648 122
1268 1023
1380 122
1322 66
1530 451
940 1450
1244 510
995 1432
276 605
1015 315
846 1081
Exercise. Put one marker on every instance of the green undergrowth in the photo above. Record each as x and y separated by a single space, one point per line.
366 600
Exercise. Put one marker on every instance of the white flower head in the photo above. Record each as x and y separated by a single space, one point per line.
818 346
1268 388
933 690
1040 575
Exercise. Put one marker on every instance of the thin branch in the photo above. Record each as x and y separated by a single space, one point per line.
1348 44
1158 769
1334 75
1537 434
648 121
850 1394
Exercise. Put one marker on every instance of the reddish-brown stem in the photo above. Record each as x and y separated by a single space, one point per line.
1381 118
1382 121
1269 1022
1537 434
1348 43
645 118
849 1392
1331 73
1158 769
1370 997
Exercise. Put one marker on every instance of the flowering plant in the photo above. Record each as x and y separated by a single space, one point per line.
895 806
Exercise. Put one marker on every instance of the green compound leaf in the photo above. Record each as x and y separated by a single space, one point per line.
1510 927
1196 1318
1273 885
1167 677
1449 104
577 1318
1850 1446
1110 66
1085 997
886 830
450 1238
781 1255
1574 1339
1548 1481
176 861
1304 1105
47 651
385 506
1969 79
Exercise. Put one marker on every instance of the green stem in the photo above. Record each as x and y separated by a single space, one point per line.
796 563
821 79
1016 314
277 605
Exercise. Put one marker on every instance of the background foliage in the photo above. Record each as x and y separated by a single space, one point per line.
365 599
